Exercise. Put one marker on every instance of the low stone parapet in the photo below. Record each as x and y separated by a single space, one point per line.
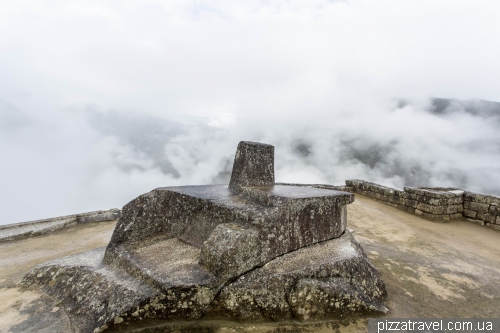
482 209
98 216
40 227
343 188
392 196
434 203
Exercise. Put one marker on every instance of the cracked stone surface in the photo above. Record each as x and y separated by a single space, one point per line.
326 279
253 250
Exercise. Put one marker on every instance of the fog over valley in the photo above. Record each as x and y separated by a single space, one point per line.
103 101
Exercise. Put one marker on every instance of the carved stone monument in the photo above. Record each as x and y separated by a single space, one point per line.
252 250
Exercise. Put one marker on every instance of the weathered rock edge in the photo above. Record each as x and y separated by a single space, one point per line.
328 279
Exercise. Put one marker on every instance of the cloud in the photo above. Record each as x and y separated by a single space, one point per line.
101 101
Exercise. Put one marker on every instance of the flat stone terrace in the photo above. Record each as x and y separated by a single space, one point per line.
430 270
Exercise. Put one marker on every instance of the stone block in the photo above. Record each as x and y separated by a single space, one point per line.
451 209
436 217
456 216
486 217
411 196
384 190
432 201
413 191
349 182
396 199
360 185
307 215
477 206
388 191
443 201
354 183
497 220
411 203
428 208
455 201
401 207
231 250
494 200
468 197
494 209
470 213
366 186
476 221
436 201
481 198
418 212
410 210
433 194
403 194
393 199
253 165
62 279
98 216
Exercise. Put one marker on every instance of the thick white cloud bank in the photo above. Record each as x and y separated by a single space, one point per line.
101 101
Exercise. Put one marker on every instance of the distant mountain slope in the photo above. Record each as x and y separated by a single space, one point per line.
477 107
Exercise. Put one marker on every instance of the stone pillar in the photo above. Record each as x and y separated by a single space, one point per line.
253 165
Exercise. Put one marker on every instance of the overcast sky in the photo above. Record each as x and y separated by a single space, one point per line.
101 101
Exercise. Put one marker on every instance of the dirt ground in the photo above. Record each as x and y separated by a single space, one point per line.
449 270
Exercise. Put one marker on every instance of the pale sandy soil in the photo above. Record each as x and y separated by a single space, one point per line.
430 270
23 311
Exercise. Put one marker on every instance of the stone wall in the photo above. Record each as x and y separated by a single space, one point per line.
434 203
344 188
21 230
98 216
482 209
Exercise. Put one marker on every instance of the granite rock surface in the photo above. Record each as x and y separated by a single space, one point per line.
252 250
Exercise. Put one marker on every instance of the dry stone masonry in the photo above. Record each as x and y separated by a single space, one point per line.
482 209
253 250
435 203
